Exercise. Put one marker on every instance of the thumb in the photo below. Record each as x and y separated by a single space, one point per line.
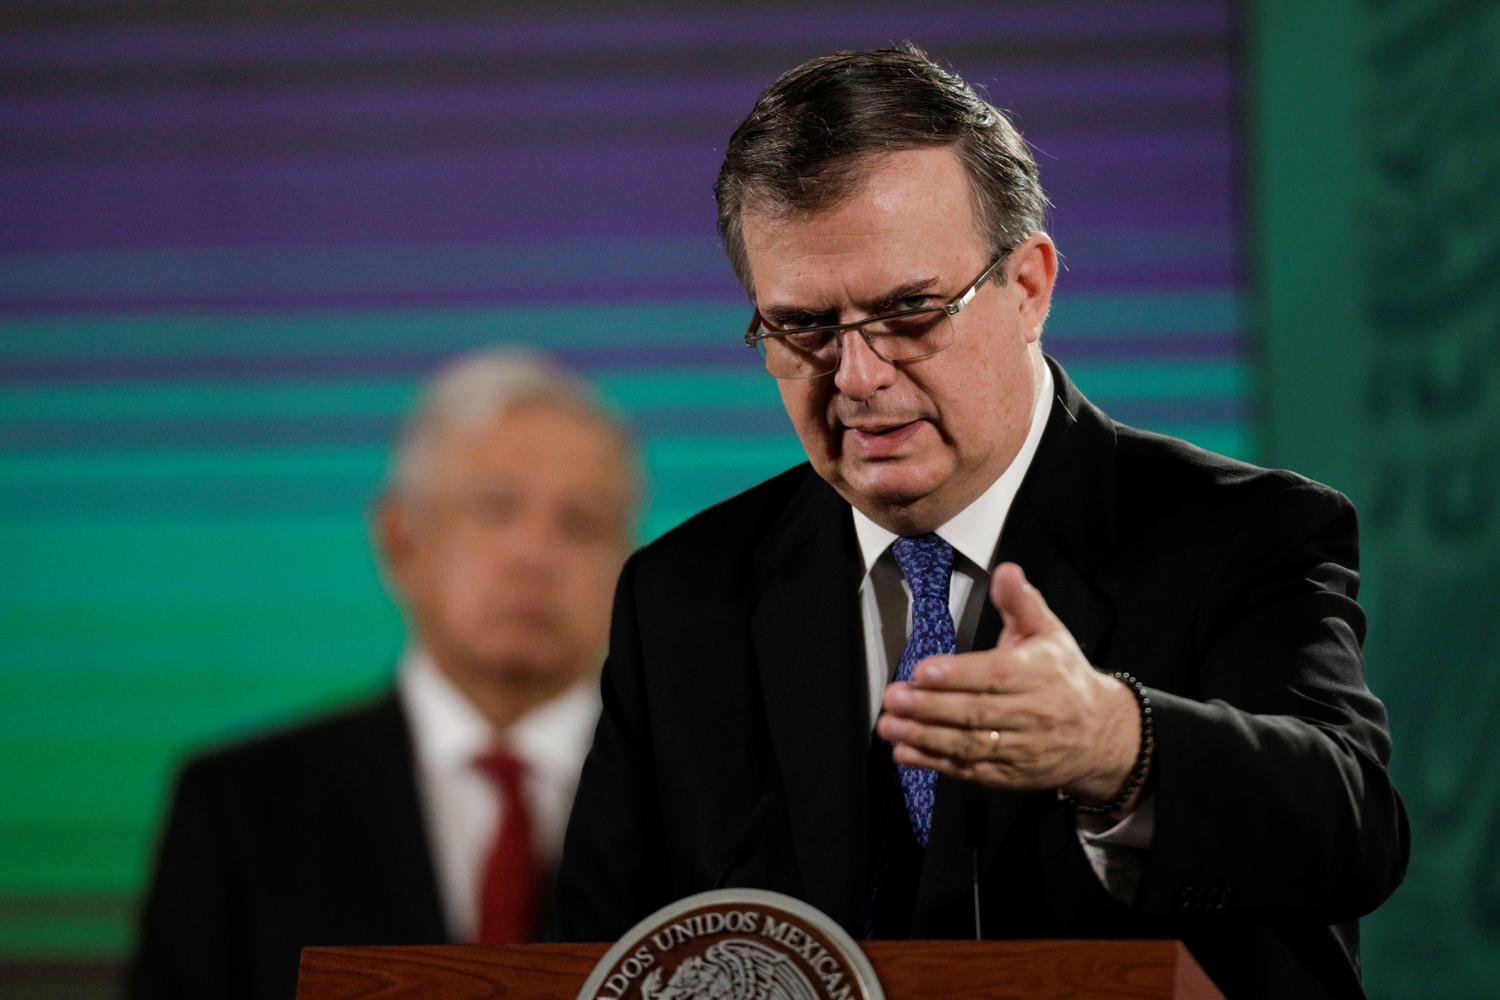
1022 607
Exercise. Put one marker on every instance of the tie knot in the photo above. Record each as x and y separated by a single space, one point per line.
927 563
503 767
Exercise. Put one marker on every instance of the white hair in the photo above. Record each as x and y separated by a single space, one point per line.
474 390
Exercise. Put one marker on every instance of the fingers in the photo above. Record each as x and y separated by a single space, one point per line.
958 709
989 671
1004 761
912 757
946 742
1022 607
1018 716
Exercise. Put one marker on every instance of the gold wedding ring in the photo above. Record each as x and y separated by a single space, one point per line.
994 753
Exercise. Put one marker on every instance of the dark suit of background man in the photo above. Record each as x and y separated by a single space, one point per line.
751 648
433 813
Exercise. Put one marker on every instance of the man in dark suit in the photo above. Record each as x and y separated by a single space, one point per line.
435 812
988 642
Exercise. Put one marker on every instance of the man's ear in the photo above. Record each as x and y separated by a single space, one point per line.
1033 268
391 533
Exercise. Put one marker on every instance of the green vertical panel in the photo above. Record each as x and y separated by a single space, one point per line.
1377 163
1303 157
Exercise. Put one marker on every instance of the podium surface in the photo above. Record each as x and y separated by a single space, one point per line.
933 970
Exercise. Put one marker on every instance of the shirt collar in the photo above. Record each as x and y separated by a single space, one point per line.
974 531
448 732
554 737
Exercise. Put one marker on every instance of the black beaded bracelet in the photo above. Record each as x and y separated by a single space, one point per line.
1142 758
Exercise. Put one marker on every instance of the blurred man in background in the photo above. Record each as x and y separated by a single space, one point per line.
434 813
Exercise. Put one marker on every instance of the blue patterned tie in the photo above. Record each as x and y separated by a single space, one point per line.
927 563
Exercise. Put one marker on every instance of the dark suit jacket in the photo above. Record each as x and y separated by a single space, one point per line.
735 688
312 836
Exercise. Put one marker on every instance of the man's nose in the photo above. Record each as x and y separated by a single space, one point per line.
527 545
861 372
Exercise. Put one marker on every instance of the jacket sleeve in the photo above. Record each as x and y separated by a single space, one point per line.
1272 793
612 872
191 942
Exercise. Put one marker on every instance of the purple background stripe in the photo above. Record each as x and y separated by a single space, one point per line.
524 196
1207 83
314 37
622 291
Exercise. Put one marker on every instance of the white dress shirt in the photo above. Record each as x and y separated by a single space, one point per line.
1115 849
461 806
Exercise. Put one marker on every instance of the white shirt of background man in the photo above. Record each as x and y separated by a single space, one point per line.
461 806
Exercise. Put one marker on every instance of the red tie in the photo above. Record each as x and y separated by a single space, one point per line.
510 898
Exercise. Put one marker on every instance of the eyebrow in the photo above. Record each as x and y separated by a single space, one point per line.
886 302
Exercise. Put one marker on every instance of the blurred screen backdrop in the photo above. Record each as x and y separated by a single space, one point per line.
233 241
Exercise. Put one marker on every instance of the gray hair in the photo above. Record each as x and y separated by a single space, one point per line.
476 389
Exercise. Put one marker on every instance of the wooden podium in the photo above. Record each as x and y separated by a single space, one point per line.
931 970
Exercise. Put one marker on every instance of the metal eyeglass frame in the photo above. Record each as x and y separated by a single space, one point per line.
949 309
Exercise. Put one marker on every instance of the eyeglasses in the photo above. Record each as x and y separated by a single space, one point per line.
898 337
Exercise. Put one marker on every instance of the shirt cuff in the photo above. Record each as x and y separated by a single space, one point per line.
1116 849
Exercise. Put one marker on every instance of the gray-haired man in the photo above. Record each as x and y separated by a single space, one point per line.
434 813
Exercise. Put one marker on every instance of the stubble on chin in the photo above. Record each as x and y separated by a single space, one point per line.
878 490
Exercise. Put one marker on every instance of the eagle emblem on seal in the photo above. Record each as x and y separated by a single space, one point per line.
732 969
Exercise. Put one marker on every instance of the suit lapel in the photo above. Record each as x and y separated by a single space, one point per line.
810 657
387 814
1060 530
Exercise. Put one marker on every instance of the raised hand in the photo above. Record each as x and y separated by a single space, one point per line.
1030 713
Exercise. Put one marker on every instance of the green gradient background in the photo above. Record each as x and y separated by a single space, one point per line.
1376 168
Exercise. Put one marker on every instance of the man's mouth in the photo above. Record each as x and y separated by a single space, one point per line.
880 429
879 440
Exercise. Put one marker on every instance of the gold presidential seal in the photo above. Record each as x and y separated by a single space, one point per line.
734 944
